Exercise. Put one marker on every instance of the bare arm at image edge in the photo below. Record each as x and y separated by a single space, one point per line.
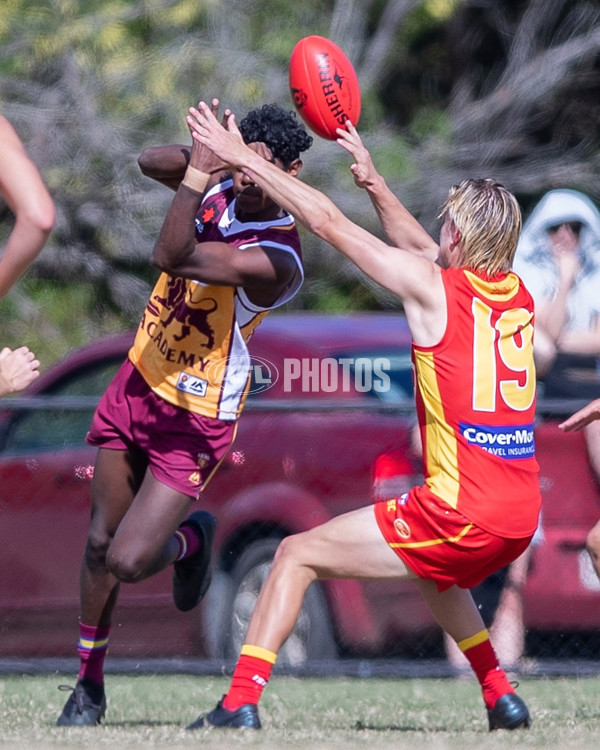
28 198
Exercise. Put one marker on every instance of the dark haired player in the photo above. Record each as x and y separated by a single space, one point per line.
228 255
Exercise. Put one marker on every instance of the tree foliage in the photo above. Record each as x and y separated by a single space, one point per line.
451 88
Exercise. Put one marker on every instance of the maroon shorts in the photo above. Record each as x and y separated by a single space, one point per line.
183 449
437 542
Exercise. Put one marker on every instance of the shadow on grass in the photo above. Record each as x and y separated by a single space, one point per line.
130 724
364 726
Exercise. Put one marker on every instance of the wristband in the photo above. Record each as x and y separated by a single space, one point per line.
195 179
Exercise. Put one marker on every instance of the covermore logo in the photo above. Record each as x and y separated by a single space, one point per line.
504 441
309 374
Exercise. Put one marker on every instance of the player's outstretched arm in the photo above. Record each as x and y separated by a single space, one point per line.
165 164
583 417
25 193
399 225
405 274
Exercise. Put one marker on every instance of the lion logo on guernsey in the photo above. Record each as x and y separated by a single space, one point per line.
513 442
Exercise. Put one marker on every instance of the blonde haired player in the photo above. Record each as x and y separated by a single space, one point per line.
472 326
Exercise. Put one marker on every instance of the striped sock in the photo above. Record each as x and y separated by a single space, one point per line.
250 676
482 658
188 540
92 647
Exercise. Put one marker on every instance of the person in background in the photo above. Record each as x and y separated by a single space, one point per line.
558 258
228 255
471 321
582 419
25 193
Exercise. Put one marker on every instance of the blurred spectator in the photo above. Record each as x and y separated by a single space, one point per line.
24 192
558 257
584 418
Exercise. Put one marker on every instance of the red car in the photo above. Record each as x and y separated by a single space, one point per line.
331 399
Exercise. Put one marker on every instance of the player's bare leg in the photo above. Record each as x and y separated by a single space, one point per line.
592 544
457 613
348 546
117 476
131 537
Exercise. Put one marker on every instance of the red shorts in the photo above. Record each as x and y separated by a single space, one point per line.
183 449
438 543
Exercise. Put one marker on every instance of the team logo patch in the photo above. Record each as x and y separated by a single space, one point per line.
195 477
203 459
506 442
402 528
191 384
207 214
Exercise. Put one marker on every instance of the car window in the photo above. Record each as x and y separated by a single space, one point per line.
382 375
49 427
91 380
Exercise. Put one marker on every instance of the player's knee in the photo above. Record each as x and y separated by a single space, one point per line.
286 551
126 566
291 555
125 571
96 549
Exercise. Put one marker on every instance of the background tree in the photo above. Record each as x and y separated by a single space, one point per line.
451 88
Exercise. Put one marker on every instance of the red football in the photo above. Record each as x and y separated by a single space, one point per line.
324 86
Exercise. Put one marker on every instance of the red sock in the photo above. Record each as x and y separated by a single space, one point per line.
189 543
250 677
92 647
482 658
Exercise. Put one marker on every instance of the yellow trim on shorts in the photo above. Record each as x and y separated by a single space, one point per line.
431 542
259 653
474 640
220 461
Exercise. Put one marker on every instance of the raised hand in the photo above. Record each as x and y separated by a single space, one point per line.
363 169
18 369
564 244
583 417
201 156
225 142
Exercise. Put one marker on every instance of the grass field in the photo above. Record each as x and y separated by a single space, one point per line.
152 711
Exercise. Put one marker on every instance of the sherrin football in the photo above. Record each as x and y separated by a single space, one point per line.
324 86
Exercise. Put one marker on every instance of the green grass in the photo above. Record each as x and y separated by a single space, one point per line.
152 711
